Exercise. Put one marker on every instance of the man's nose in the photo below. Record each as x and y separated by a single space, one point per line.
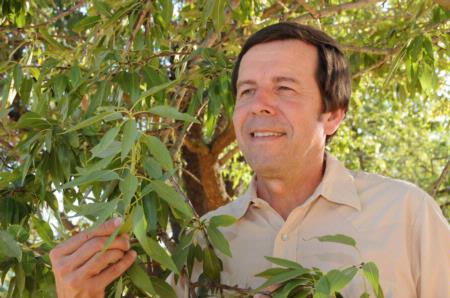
263 103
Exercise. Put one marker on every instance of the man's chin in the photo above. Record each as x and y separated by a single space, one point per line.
266 166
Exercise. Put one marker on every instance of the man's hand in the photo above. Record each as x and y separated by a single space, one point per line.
81 270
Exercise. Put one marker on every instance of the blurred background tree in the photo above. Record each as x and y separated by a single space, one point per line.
124 107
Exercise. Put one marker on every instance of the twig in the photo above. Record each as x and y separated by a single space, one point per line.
138 26
192 176
228 156
223 140
440 179
49 22
309 9
379 63
241 291
368 50
182 136
336 9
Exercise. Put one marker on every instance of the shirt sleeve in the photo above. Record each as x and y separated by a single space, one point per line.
431 246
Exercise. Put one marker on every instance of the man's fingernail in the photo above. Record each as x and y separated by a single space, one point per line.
117 221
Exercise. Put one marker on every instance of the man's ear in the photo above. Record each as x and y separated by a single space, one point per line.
333 120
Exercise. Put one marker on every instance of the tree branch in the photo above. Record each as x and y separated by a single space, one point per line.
379 63
49 22
440 179
223 140
326 12
368 50
314 14
228 156
241 291
138 26
196 146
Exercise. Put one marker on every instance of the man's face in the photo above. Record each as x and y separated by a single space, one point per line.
277 118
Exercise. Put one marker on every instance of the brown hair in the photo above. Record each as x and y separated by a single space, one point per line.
332 75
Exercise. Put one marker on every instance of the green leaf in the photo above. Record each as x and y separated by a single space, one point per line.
105 175
128 187
322 288
163 289
110 240
173 198
9 248
155 89
150 203
86 23
105 142
284 263
20 233
287 288
426 77
338 238
181 252
99 211
211 264
150 246
339 279
218 240
43 229
134 84
33 120
152 167
159 151
141 280
18 76
93 120
282 277
268 273
218 15
119 288
74 75
370 271
99 165
222 220
51 41
25 89
130 134
170 112
20 280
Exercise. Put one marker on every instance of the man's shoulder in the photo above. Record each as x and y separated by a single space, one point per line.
235 208
378 189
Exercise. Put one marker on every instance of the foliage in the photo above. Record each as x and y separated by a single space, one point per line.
101 102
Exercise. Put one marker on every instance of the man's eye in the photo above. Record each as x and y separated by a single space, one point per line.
247 92
284 88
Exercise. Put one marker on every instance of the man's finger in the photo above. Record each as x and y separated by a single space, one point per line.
71 245
111 273
100 261
93 246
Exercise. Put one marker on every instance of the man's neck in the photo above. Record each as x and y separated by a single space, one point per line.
291 189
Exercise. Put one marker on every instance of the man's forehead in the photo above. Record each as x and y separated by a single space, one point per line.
281 60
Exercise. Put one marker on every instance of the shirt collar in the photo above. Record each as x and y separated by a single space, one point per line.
337 186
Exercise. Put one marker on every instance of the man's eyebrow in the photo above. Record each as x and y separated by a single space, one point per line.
249 82
285 79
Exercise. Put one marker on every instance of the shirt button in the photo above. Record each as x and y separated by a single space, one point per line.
284 237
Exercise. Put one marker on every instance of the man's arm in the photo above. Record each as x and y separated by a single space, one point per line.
431 250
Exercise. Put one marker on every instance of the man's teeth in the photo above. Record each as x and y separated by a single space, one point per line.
267 134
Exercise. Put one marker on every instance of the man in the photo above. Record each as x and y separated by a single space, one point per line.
292 88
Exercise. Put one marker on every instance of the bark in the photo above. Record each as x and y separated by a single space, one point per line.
206 189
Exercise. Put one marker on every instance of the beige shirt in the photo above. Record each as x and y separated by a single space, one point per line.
395 224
